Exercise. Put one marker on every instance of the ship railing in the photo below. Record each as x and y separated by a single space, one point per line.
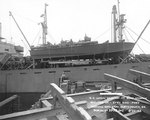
30 66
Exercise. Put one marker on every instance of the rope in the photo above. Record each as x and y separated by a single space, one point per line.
36 36
51 37
26 18
126 38
102 34
137 35
134 41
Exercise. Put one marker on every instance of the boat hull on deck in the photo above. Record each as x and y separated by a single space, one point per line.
99 50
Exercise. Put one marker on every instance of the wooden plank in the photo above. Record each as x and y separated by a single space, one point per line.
135 88
31 114
134 115
68 104
45 103
8 100
145 76
118 115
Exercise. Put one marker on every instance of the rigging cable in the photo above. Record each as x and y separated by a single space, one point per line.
137 40
142 32
26 18
10 29
24 43
102 34
30 20
126 38
51 37
134 41
36 36
137 35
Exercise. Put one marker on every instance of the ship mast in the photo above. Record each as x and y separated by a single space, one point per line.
114 12
117 24
121 22
118 8
0 32
44 25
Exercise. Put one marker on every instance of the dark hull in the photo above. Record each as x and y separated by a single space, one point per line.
98 50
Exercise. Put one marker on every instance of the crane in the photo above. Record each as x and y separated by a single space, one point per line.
10 13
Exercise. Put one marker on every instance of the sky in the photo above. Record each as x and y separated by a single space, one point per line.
72 19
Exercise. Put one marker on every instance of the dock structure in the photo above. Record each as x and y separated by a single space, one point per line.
142 94
106 104
140 76
131 86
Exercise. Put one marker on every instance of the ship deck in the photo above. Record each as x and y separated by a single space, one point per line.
124 100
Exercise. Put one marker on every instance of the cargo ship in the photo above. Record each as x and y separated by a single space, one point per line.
85 60
85 49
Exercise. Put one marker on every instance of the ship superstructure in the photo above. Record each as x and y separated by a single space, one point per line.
8 50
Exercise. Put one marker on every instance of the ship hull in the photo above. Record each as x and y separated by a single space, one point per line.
33 82
99 50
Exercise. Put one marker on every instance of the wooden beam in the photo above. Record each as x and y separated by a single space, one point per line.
31 114
82 94
145 76
68 104
8 100
116 115
45 103
135 88
134 115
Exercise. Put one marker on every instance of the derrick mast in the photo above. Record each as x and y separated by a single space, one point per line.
44 25
117 24
0 31
121 26
114 12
